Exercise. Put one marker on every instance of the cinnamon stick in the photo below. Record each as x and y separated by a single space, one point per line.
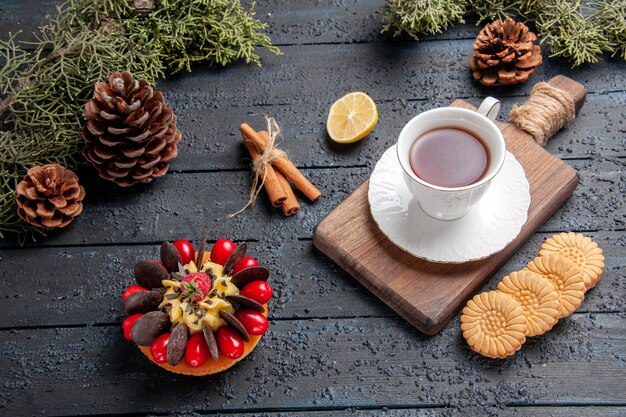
272 186
283 164
290 206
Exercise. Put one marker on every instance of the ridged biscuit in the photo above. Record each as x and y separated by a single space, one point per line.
538 297
493 324
583 251
566 276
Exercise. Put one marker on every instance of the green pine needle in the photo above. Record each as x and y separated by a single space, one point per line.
422 17
216 32
570 33
492 10
610 16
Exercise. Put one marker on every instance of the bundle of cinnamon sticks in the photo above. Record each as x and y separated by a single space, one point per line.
278 174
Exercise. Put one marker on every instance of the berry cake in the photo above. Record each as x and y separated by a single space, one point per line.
197 313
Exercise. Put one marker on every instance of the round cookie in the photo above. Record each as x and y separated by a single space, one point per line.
538 297
583 251
566 276
493 324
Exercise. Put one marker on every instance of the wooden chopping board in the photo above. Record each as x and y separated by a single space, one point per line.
428 294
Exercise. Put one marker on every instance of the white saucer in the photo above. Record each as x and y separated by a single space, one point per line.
491 224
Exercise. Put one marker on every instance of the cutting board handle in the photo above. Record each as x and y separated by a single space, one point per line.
550 107
574 88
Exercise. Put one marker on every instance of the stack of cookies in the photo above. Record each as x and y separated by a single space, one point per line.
530 302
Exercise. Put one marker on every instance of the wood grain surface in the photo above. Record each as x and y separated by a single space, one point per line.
362 362
427 294
333 348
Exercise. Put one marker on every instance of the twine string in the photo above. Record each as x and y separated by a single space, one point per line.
547 110
267 156
269 153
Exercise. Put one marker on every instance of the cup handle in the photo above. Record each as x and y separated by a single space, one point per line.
490 107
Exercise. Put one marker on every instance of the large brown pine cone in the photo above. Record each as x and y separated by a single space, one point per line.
504 53
130 134
49 196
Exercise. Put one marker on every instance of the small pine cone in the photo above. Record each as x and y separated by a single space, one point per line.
143 6
504 53
130 134
49 196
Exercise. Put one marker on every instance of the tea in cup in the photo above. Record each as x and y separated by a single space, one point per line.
449 157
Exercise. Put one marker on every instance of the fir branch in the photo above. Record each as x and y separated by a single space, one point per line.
215 32
564 27
421 17
492 9
610 16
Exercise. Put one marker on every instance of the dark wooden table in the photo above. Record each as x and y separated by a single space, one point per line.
332 349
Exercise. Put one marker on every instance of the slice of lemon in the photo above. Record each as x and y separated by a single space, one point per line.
351 118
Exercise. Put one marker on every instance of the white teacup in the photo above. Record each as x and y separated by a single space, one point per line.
451 203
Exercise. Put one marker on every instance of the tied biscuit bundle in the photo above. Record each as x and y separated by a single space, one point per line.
530 302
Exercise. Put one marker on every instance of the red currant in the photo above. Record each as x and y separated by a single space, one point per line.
158 349
197 351
131 290
245 262
185 248
229 342
254 322
128 323
259 291
221 251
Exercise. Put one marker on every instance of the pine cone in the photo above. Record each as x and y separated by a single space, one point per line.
49 196
130 134
504 53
